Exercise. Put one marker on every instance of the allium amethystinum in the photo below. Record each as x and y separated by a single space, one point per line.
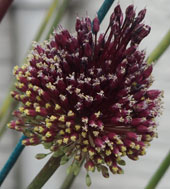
86 95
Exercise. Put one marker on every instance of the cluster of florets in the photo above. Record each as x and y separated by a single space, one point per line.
86 95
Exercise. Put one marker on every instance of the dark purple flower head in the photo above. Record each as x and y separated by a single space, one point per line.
87 96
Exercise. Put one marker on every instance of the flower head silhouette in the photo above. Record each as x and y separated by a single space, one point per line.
87 95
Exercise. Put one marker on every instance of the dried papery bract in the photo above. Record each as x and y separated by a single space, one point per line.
87 95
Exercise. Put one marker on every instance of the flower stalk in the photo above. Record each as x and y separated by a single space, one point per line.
46 172
159 173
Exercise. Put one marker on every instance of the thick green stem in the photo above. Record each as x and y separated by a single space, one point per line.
45 173
160 49
159 173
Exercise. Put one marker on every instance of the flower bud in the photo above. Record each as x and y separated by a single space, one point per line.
96 25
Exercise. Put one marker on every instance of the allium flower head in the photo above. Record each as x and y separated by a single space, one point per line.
86 95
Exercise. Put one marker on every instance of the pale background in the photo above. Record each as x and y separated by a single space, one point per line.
16 32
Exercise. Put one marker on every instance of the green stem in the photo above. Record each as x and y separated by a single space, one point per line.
6 105
160 49
68 181
58 17
159 173
45 173
48 16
